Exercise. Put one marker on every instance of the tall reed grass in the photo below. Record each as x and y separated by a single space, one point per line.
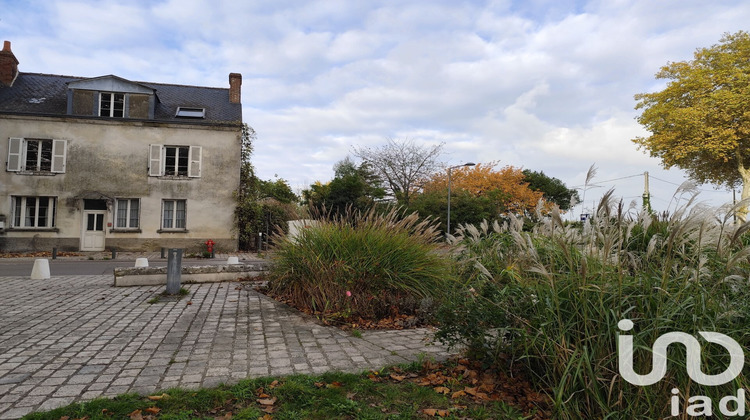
370 265
550 299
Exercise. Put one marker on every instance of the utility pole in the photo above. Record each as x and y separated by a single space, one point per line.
646 194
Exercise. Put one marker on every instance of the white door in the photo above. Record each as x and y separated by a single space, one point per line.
92 238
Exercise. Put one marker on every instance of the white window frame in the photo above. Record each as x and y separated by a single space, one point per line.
157 158
112 100
18 149
172 206
20 206
128 203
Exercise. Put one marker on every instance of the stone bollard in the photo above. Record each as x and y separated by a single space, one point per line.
174 271
141 262
40 270
233 260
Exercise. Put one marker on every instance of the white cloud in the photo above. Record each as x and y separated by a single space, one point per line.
547 85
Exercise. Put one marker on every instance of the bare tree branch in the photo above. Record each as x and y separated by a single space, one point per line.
402 164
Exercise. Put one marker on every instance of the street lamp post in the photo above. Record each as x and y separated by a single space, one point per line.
448 231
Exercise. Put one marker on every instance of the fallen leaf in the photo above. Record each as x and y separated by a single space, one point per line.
135 415
158 397
442 390
190 302
267 401
334 384
397 378
153 410
433 412
266 417
458 394
471 391
274 384
268 409
350 395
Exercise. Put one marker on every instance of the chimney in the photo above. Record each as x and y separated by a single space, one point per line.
8 65
235 82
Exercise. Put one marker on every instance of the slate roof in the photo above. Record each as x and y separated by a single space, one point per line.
46 94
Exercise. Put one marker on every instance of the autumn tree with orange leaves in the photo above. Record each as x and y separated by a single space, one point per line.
483 179
477 193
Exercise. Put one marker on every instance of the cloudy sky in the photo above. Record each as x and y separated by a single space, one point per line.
540 84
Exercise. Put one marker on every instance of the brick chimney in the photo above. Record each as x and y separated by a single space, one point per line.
8 65
235 83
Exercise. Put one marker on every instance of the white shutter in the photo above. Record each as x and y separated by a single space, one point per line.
59 151
15 152
194 157
154 160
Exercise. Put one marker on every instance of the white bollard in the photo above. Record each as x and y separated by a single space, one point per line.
40 270
141 262
233 260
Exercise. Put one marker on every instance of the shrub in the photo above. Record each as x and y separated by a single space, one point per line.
369 265
550 300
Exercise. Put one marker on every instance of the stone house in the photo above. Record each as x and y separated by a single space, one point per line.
100 163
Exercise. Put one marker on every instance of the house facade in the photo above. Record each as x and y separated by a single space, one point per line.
108 163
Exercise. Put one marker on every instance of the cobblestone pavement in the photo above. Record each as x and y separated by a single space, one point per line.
73 338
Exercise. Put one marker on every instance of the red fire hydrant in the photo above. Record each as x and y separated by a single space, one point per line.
210 246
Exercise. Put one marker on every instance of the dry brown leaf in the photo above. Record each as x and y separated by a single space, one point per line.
267 401
397 378
273 384
319 384
153 410
350 395
266 417
458 394
471 391
158 397
190 302
63 417
135 415
268 409
335 384
442 390
433 412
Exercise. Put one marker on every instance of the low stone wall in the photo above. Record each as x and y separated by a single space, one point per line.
155 276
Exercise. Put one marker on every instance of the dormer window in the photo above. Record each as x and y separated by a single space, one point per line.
185 112
111 104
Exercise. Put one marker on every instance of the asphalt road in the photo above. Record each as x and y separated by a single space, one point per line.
22 267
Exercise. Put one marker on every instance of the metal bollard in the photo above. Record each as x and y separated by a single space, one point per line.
114 253
54 253
174 271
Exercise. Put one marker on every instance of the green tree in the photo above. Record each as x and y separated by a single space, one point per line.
262 206
352 186
466 208
700 121
553 189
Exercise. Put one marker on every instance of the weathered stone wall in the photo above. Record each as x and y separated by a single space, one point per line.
152 276
107 158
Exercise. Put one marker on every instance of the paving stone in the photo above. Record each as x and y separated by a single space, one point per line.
55 350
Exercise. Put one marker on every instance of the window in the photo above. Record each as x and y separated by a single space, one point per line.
111 104
179 161
176 160
173 214
36 155
127 213
33 212
185 112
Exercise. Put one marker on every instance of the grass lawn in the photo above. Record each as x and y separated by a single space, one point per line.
419 390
